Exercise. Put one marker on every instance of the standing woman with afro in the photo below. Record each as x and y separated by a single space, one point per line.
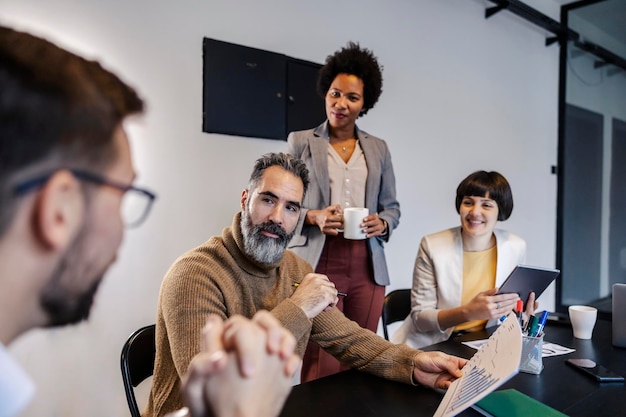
348 168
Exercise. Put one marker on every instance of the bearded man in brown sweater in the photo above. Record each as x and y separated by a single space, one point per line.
247 269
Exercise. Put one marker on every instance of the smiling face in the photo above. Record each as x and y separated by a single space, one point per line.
270 214
479 216
69 293
344 101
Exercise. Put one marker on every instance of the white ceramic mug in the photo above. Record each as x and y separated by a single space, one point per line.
352 218
583 320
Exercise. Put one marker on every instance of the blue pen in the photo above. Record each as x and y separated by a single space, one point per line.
542 323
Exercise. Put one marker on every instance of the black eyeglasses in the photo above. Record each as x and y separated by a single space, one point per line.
136 203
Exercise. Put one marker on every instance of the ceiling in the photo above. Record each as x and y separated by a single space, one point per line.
608 15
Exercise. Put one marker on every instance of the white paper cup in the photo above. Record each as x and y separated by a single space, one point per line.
352 218
583 320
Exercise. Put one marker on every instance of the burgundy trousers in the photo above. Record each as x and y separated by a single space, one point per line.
348 265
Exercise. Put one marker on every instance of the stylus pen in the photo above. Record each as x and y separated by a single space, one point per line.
343 294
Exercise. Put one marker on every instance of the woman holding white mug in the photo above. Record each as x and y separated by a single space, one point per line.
348 168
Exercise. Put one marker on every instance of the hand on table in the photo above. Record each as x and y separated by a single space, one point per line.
437 369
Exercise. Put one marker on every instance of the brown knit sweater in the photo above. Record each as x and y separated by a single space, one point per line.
217 277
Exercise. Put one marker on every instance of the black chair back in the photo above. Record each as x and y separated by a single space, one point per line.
137 361
396 307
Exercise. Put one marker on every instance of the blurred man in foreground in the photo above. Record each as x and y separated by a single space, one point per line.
66 194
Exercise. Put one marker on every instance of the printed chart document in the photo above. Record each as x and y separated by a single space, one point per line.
495 363
548 349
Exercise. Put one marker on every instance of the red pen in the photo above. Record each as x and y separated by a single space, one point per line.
518 312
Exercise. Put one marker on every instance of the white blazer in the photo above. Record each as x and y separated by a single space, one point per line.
438 282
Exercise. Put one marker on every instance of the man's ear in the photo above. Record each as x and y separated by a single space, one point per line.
59 210
244 199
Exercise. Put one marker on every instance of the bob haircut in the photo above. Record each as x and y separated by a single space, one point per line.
481 183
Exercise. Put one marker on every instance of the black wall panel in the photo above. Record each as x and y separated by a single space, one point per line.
256 93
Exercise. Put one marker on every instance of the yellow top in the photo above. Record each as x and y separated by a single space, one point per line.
479 274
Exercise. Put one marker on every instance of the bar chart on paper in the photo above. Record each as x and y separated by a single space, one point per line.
495 363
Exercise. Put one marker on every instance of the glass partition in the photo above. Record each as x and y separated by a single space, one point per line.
591 247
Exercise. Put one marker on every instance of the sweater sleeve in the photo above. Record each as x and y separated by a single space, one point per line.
293 319
362 349
187 298
286 311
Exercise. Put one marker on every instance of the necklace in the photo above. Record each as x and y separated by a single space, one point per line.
344 149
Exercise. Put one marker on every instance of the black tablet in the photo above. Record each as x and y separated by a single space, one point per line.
525 279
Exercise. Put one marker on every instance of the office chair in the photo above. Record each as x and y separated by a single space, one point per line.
137 361
396 307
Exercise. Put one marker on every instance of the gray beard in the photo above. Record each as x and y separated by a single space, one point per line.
261 248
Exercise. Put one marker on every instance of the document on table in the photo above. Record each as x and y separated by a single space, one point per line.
549 349
496 362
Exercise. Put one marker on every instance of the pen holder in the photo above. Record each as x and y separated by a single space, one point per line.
532 350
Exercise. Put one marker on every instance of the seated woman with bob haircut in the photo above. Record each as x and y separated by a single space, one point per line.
458 270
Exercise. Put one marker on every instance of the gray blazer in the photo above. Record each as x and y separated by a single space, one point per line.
380 193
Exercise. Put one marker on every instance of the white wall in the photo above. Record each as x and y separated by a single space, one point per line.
461 93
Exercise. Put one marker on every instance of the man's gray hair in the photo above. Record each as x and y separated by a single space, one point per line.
284 160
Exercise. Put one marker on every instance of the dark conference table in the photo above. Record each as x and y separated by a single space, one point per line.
354 393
